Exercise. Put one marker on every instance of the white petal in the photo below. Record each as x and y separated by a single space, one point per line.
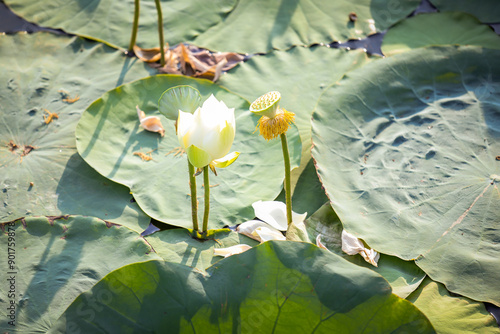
272 212
237 249
371 256
250 228
298 218
319 243
352 246
266 233
184 123
151 123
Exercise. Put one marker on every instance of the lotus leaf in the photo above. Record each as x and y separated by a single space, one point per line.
438 29
222 25
275 287
47 82
408 151
54 260
403 276
178 246
487 11
450 313
109 138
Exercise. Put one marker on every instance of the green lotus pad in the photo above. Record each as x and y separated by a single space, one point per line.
178 246
487 11
111 21
300 75
450 314
53 259
282 24
221 25
279 287
408 151
42 174
110 139
403 276
450 28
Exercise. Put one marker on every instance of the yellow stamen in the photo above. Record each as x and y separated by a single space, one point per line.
270 128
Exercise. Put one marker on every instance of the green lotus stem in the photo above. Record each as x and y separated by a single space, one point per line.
160 32
288 193
206 187
194 202
135 26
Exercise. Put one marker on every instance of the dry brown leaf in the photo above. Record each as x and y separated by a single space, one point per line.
190 60
150 55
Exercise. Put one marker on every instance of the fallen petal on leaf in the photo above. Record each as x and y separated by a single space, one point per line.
257 230
352 246
237 249
266 233
320 244
150 123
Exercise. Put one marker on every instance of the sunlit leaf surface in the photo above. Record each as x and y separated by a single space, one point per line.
110 139
438 29
408 151
54 260
275 287
47 82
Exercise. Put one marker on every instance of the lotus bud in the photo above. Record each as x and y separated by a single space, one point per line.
207 135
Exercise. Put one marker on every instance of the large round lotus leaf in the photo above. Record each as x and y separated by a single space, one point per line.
438 29
178 246
408 153
38 72
300 75
403 276
451 314
487 11
111 140
51 260
260 25
111 21
277 287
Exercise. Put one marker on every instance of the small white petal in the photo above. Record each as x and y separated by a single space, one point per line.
237 249
352 246
268 233
320 244
250 228
272 212
371 256
151 123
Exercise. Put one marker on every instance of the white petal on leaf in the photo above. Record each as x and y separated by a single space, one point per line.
236 249
150 123
259 230
320 244
352 246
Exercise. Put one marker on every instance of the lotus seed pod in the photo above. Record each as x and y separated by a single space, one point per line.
266 105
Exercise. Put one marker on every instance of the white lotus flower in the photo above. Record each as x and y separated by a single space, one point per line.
207 135
237 249
150 123
352 246
273 214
